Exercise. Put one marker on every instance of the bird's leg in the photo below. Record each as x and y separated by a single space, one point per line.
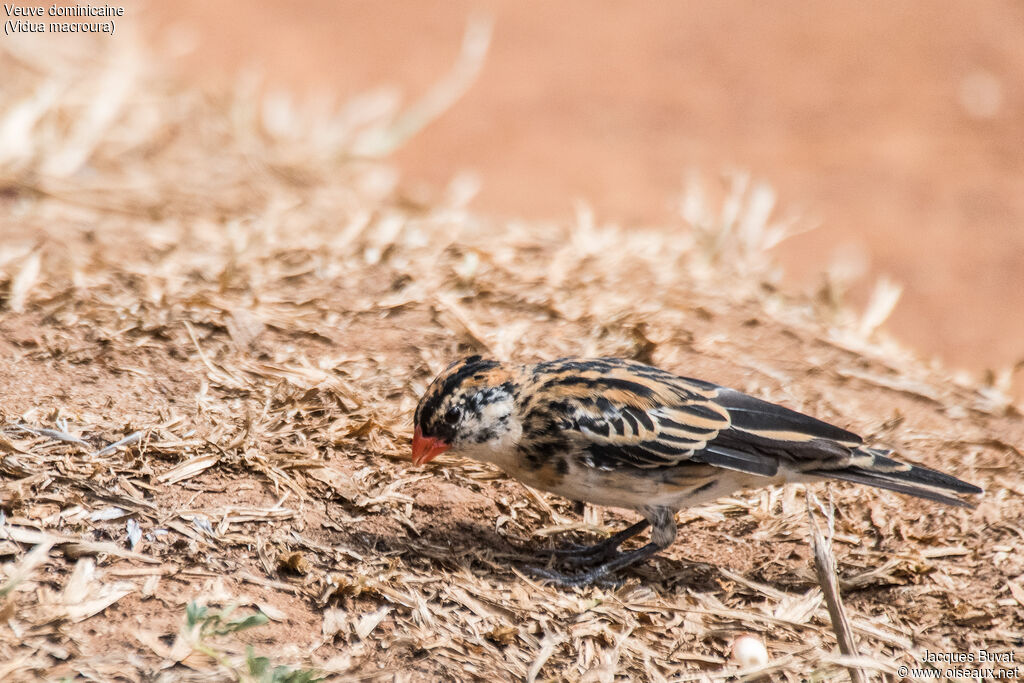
663 524
588 554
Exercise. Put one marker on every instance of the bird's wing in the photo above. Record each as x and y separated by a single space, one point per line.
624 431
625 413
762 435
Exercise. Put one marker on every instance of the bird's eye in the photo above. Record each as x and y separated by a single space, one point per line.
453 415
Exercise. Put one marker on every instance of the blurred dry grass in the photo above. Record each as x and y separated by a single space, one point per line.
216 319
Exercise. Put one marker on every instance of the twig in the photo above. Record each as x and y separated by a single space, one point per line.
824 566
126 441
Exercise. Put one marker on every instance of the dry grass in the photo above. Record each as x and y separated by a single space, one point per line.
216 319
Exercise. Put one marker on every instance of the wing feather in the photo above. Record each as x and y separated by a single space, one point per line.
646 419
771 421
741 461
632 414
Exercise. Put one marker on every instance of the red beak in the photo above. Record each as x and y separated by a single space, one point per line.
426 448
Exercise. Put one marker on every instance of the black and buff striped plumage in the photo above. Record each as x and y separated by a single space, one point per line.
623 434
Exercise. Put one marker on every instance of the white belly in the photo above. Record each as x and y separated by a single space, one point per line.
628 488
633 488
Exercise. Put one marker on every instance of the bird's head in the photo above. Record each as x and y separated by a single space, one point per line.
467 408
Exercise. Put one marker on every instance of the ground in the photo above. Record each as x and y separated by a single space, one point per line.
890 134
211 361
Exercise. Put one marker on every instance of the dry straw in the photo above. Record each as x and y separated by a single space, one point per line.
216 314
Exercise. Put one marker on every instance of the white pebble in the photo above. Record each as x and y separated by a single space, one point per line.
749 651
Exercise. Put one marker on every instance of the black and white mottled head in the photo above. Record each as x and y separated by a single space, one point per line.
468 409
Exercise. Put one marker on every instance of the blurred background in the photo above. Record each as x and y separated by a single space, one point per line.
894 129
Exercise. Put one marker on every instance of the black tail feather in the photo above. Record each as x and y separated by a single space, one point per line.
886 473
916 474
872 479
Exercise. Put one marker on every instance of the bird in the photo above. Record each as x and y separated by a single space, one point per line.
619 433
